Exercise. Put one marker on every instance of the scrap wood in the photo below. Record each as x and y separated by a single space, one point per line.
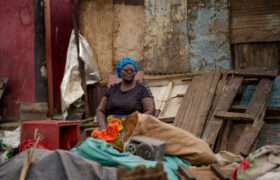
215 168
235 116
235 131
142 173
202 173
196 103
224 103
9 125
256 108
269 110
28 160
255 72
185 173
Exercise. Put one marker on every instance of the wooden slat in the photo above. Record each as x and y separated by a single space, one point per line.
196 104
269 110
256 108
255 72
255 21
256 55
215 124
48 44
185 173
235 116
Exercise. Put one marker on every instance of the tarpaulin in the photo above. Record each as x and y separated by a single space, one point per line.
102 152
56 165
71 87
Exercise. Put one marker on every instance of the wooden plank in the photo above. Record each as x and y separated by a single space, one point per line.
175 100
186 174
96 25
256 108
215 124
256 55
256 72
196 104
218 172
235 116
48 44
269 110
257 21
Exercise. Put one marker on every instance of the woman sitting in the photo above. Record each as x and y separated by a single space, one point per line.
127 96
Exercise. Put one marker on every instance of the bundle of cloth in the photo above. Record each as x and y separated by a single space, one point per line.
178 141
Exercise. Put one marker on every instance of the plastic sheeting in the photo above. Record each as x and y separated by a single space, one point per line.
71 87
11 138
56 165
106 155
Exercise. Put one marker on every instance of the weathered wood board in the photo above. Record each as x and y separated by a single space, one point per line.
165 40
128 30
197 102
256 55
256 108
255 21
96 25
215 124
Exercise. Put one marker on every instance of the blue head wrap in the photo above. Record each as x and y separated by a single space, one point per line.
125 61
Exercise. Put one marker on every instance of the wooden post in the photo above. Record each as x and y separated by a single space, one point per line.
48 44
75 17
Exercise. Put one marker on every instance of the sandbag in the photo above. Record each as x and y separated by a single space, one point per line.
178 141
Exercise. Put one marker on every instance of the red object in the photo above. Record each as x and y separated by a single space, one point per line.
109 134
31 142
57 134
243 165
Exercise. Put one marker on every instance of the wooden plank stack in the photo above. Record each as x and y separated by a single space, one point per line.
208 109
193 112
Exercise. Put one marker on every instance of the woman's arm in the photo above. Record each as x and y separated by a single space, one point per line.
148 105
100 112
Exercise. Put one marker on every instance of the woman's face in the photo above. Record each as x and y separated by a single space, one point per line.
128 73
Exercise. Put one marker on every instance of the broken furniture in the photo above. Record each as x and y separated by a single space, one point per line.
57 134
223 121
209 108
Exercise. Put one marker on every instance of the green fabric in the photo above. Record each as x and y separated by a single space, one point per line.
106 155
